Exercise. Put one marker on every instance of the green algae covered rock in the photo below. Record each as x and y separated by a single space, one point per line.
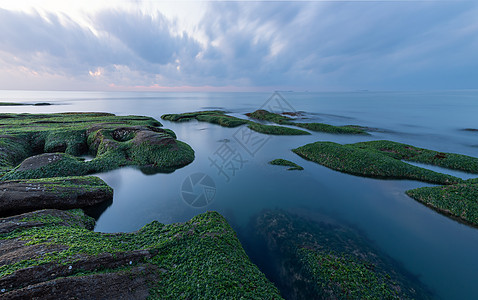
459 201
316 257
287 163
115 141
59 192
320 127
53 250
369 163
220 118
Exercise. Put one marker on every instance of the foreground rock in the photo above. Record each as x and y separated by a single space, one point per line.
52 254
314 257
61 193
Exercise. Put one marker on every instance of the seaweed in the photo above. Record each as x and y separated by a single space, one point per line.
361 161
201 258
115 141
459 201
320 127
284 162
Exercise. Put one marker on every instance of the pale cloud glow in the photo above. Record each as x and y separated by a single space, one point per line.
160 45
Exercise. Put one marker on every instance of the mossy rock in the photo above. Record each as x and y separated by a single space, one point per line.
320 127
265 115
55 251
407 152
210 116
220 118
115 141
276 130
361 161
287 163
315 257
60 193
459 201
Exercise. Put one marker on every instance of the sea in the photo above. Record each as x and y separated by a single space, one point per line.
441 252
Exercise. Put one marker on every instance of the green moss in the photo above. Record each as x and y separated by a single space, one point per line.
411 153
115 141
211 116
199 259
223 120
11 104
313 257
347 276
280 119
220 118
276 130
459 200
321 127
472 180
283 162
264 115
355 160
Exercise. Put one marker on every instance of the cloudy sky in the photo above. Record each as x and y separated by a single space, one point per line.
238 45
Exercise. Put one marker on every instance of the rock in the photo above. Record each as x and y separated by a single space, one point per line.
312 256
38 161
50 254
116 141
60 193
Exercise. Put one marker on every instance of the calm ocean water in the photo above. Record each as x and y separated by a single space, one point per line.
439 251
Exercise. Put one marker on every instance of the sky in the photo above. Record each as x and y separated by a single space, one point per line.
238 45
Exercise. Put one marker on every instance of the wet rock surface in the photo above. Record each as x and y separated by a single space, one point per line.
60 193
52 254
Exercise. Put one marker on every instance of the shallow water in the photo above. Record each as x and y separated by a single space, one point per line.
440 251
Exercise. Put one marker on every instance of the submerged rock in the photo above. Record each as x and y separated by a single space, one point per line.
52 254
314 257
60 193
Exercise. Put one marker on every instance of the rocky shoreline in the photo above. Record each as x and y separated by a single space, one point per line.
46 253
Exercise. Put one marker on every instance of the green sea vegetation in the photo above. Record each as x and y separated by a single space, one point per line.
287 163
319 258
320 127
11 104
198 259
410 153
211 116
21 104
364 159
114 141
459 201
220 118
275 130
455 197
